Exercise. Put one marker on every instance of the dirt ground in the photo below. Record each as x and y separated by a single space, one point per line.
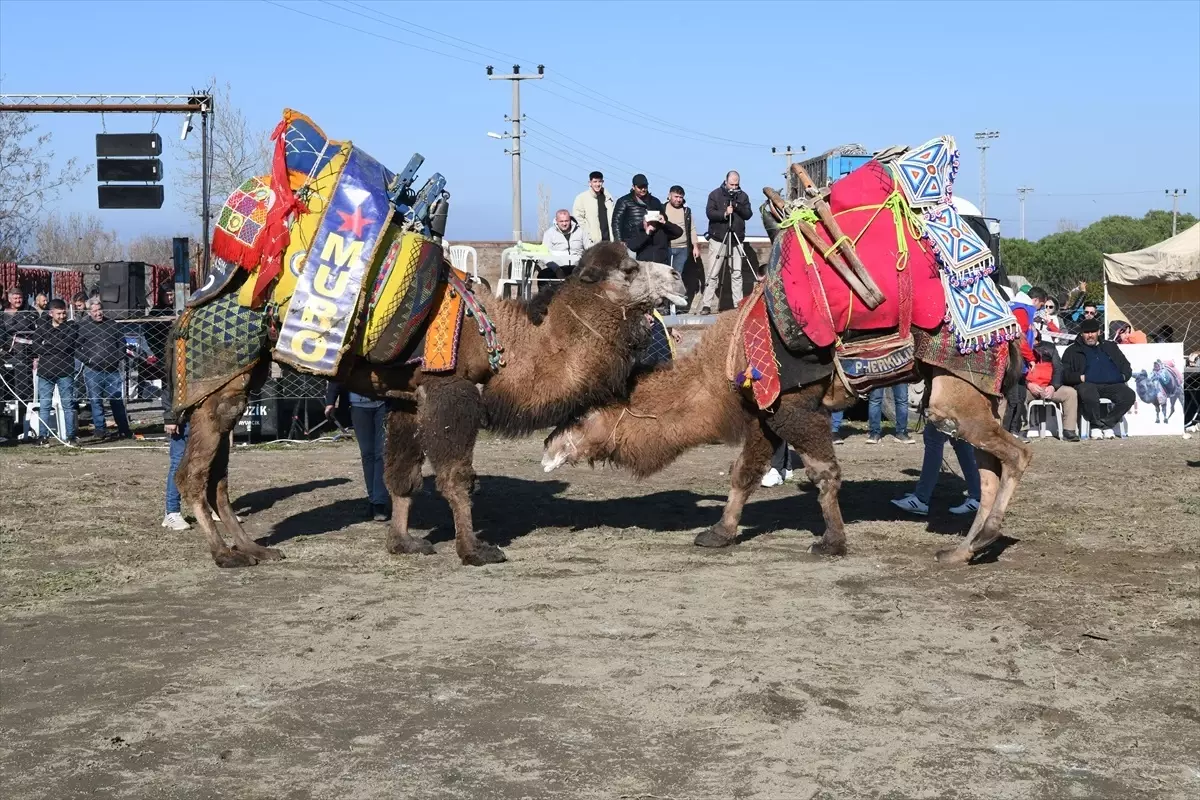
609 658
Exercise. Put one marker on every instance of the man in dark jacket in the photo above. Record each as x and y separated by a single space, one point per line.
1098 370
54 350
17 329
727 210
653 241
101 349
630 211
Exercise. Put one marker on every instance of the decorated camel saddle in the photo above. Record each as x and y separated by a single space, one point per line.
330 253
857 266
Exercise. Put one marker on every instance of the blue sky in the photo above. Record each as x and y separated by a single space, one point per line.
1097 104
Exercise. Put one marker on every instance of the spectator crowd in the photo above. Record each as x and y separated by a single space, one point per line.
50 346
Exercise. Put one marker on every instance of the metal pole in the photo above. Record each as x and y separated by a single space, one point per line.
1175 209
205 264
518 228
516 77
983 137
1021 192
787 172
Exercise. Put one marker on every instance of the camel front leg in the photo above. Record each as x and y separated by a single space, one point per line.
961 410
449 415
744 475
194 477
402 459
803 420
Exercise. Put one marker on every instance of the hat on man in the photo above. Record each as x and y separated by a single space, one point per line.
640 181
1090 325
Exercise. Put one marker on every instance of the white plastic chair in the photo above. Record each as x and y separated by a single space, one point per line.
1050 407
462 255
1085 427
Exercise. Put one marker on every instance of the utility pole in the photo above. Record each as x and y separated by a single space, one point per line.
983 137
1024 190
1175 208
516 77
787 170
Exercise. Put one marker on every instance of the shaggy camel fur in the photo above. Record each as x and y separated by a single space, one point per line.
564 353
692 402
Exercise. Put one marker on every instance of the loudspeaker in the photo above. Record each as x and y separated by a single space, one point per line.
122 285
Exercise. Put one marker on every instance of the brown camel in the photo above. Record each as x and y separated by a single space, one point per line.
565 351
692 402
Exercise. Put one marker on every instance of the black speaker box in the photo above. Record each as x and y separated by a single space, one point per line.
122 285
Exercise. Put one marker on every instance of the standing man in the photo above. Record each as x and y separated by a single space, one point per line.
688 242
653 241
54 351
101 349
17 327
368 417
727 209
79 307
566 240
1098 369
629 214
41 304
594 209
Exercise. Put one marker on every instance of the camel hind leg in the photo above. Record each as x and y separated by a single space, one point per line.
960 409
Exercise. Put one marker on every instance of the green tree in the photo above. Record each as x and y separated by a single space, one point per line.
1063 260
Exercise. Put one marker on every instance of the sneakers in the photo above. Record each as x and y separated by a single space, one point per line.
1032 434
175 522
1107 433
904 438
969 506
217 517
873 439
705 311
380 513
837 439
912 504
772 478
1070 436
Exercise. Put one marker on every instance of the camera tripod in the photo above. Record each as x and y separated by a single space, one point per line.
728 247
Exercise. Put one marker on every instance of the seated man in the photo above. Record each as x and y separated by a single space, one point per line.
1098 370
653 241
566 241
1045 382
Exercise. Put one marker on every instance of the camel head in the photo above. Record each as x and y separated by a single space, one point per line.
629 282
587 439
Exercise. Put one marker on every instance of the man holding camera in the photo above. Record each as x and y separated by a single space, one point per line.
728 209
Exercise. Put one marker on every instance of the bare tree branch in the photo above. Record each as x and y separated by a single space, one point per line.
28 181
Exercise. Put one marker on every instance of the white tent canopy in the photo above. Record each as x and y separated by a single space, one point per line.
1177 260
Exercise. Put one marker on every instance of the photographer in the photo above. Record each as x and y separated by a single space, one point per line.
728 209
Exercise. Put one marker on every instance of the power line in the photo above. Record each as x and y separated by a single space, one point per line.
589 162
478 49
543 166
373 33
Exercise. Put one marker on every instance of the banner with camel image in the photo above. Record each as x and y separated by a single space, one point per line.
1158 381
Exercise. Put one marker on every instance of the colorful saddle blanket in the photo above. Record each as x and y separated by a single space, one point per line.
877 207
215 342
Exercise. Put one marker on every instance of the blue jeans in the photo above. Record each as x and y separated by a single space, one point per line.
835 420
679 258
369 425
875 410
66 394
103 386
178 442
931 466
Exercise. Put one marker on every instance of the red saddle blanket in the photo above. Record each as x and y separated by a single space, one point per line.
886 242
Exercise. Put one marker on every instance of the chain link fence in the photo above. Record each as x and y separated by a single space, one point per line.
1167 322
127 351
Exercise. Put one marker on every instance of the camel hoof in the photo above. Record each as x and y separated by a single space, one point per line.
822 547
953 555
712 538
484 553
270 554
228 559
410 546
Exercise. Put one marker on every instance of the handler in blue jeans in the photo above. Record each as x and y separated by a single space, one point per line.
875 414
368 417
917 501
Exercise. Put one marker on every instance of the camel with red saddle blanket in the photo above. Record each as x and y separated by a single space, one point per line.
872 282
